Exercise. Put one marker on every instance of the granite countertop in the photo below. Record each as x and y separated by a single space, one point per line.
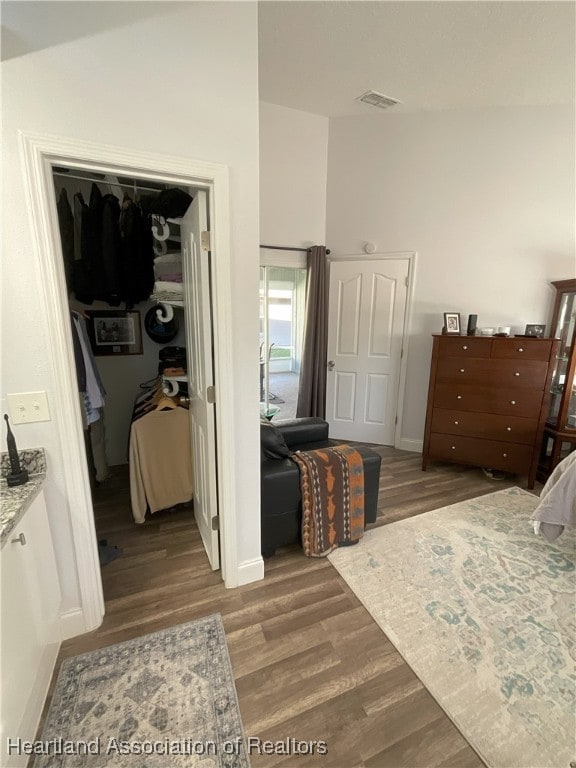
15 501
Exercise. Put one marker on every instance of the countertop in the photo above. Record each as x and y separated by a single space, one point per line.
15 501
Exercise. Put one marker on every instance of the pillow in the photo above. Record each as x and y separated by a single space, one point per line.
272 443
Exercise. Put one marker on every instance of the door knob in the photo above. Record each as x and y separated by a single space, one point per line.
331 365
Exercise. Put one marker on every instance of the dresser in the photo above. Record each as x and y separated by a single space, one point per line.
487 401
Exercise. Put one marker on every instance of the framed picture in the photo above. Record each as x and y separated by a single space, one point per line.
452 322
114 332
535 330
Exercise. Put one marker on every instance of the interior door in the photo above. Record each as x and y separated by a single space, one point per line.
198 320
367 305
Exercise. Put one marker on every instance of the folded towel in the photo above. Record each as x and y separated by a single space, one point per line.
161 286
169 258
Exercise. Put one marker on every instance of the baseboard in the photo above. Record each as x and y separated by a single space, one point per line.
72 623
406 444
249 571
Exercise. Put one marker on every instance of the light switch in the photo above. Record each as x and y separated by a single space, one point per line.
27 407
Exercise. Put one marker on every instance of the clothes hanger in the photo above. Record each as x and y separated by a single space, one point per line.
165 402
161 400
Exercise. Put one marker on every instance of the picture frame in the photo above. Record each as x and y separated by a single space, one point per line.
114 332
452 323
535 330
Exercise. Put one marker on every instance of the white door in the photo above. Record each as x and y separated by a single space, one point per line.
198 320
367 304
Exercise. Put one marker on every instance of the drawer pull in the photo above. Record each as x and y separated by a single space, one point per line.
516 373
465 346
512 402
520 349
453 447
19 540
458 397
508 429
505 455
461 370
456 422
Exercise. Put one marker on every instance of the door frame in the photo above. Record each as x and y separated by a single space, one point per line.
39 153
412 258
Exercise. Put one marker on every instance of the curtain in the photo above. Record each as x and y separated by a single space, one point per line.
312 390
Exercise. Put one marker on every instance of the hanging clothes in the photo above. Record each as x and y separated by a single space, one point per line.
66 223
137 255
160 459
109 248
92 394
87 280
109 258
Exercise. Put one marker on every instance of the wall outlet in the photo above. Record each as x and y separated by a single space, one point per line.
27 407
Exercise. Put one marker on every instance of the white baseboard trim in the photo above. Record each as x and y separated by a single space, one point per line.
249 571
72 623
406 444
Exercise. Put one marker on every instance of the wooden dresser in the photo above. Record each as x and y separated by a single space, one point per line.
488 401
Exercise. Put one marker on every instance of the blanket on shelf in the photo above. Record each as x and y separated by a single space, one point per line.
332 485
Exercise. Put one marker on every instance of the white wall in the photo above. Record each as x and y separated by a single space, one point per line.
183 82
293 168
486 199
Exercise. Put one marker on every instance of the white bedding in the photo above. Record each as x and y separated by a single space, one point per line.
557 508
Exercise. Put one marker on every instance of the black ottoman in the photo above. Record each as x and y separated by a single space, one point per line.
280 497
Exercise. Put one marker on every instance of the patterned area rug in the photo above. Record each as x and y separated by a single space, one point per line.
161 700
483 610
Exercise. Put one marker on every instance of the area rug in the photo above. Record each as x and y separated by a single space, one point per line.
483 611
161 700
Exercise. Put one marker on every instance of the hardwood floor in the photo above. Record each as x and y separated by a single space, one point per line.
309 661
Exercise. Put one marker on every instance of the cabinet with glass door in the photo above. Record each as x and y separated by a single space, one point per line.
560 430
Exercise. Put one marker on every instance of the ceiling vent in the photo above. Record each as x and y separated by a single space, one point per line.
376 99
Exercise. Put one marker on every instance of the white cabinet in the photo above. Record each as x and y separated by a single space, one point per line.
30 629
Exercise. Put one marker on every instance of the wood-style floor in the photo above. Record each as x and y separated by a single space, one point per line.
309 661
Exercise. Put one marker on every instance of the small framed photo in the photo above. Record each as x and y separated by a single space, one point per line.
452 322
535 330
114 332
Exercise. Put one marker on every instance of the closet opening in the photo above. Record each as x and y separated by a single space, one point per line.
137 266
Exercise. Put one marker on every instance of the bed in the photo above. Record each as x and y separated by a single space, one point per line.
557 507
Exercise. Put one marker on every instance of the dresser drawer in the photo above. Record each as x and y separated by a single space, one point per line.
493 373
522 349
494 454
465 397
464 346
489 426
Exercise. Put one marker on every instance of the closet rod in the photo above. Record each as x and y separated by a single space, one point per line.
104 181
287 248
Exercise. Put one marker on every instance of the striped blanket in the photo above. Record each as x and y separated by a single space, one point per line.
332 484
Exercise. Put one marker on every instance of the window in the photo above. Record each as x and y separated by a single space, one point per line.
282 303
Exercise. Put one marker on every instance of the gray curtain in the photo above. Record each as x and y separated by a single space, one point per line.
312 391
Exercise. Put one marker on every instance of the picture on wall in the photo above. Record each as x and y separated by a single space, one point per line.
114 332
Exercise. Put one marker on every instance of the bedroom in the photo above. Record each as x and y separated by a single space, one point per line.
482 228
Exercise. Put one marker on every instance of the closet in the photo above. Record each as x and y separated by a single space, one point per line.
137 270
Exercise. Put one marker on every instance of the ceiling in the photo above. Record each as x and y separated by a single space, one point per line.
320 56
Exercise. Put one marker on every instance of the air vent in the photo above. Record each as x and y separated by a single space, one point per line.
376 99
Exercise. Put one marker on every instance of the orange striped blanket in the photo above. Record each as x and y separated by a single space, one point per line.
332 484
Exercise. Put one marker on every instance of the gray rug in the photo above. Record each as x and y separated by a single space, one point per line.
161 700
482 609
